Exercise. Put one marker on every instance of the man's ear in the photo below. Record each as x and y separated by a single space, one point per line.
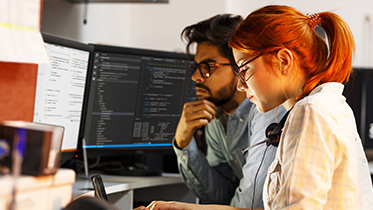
285 58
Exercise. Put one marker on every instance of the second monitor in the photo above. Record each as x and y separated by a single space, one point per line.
136 99
61 88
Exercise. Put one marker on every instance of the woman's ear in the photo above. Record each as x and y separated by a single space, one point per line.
285 58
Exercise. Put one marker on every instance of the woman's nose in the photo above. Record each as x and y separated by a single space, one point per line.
241 86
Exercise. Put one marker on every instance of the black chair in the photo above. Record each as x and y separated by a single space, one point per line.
89 203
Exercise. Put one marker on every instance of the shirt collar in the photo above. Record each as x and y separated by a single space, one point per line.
241 112
334 87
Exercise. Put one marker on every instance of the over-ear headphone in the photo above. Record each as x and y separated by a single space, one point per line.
273 137
272 132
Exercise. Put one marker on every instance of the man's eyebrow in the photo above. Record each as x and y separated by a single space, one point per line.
208 60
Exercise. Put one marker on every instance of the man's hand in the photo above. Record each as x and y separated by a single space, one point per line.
140 208
195 115
170 205
174 205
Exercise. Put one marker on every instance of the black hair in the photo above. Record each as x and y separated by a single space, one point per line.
216 30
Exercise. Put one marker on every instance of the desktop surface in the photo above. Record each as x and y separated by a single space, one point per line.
128 192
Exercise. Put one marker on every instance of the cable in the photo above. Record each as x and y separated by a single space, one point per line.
256 175
245 150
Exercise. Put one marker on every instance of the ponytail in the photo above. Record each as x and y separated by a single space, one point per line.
340 52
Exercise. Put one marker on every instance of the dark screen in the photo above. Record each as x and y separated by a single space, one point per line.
359 94
136 98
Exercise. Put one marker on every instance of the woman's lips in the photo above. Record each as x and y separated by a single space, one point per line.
251 98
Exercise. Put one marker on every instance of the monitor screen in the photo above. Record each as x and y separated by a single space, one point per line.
61 87
136 99
359 94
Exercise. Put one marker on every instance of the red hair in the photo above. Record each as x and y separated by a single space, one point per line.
274 27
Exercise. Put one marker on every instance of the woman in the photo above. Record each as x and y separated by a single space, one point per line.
320 162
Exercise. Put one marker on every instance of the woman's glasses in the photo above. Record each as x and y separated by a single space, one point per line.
244 77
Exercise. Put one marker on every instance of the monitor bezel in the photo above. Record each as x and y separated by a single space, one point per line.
52 39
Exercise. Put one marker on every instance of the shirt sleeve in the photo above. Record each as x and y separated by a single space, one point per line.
210 178
308 158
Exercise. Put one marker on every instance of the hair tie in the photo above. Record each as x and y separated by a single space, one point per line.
313 20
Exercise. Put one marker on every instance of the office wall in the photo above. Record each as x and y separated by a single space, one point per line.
17 87
158 26
143 25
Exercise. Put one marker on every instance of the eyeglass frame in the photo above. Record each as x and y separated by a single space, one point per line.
239 74
209 64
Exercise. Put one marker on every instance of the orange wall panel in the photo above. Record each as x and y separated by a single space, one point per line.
17 91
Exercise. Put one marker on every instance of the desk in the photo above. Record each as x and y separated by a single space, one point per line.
123 191
51 192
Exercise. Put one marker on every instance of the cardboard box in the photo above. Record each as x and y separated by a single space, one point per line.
52 192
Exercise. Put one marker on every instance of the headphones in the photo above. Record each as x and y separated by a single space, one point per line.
272 132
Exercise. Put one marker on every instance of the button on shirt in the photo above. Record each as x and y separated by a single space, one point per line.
320 162
218 176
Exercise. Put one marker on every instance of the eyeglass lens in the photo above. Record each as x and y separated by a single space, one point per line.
243 74
204 68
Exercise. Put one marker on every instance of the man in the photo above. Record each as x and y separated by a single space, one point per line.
221 174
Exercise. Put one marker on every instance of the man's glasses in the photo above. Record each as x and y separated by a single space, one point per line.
244 77
206 68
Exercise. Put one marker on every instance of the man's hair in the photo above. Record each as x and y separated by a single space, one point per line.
216 30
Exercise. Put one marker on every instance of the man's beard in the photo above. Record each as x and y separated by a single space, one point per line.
217 101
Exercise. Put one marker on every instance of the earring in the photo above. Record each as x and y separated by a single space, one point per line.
282 68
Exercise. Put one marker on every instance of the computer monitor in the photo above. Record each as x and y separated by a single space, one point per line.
61 87
359 94
136 99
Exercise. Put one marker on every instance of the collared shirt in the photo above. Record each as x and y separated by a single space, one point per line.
320 162
225 172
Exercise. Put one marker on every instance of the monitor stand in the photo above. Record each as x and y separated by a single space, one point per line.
131 171
142 165
150 164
